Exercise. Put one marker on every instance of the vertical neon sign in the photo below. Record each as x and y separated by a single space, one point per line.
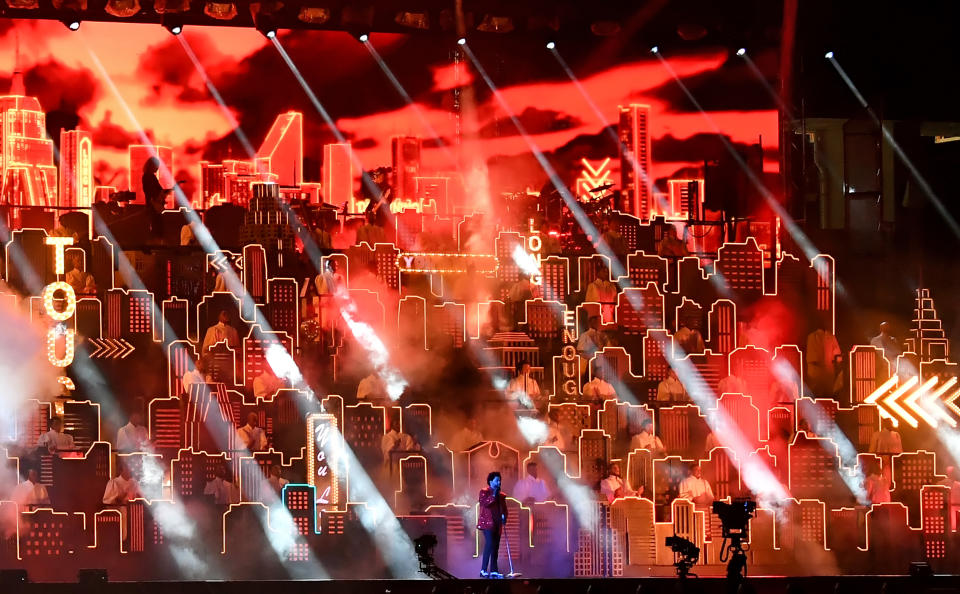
59 329
322 458
534 248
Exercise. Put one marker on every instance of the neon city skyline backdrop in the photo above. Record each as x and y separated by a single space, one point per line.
107 79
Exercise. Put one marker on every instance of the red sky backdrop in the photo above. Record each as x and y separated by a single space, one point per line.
111 78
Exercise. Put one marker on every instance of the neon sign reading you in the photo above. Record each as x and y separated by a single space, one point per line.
322 440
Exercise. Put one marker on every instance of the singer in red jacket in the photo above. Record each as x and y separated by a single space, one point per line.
491 518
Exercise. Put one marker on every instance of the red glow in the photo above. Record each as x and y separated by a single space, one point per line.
179 111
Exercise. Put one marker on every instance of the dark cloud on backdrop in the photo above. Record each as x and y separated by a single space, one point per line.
533 120
731 87
338 70
350 85
167 68
517 172
365 143
58 86
63 91
109 134
698 148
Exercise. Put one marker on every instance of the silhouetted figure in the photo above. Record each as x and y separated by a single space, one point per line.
380 194
154 195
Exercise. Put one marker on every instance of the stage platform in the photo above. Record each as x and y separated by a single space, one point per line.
706 585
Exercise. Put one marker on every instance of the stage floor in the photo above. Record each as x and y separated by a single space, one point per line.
706 585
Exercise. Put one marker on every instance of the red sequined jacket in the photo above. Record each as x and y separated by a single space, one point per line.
492 509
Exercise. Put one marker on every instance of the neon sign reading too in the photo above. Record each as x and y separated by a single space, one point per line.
59 329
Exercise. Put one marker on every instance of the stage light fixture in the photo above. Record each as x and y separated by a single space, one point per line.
72 24
363 37
742 51
222 11
358 19
314 15
495 24
605 28
462 41
655 49
266 25
551 45
13 577
92 577
828 55
413 19
169 6
70 8
920 570
122 8
691 31
173 24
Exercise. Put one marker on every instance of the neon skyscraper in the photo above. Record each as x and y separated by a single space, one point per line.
406 166
282 151
29 176
337 176
635 160
76 168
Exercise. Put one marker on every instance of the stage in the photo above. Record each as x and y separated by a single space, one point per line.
759 585
600 290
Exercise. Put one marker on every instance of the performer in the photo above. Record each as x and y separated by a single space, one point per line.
551 203
491 519
154 194
380 195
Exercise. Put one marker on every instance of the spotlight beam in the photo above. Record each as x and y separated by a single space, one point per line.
647 180
307 240
824 425
914 172
781 104
310 94
619 273
755 474
364 334
376 520
809 250
205 240
577 495
364 179
82 367
241 136
784 108
402 91
376 517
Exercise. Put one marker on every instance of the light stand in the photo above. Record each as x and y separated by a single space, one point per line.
424 546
